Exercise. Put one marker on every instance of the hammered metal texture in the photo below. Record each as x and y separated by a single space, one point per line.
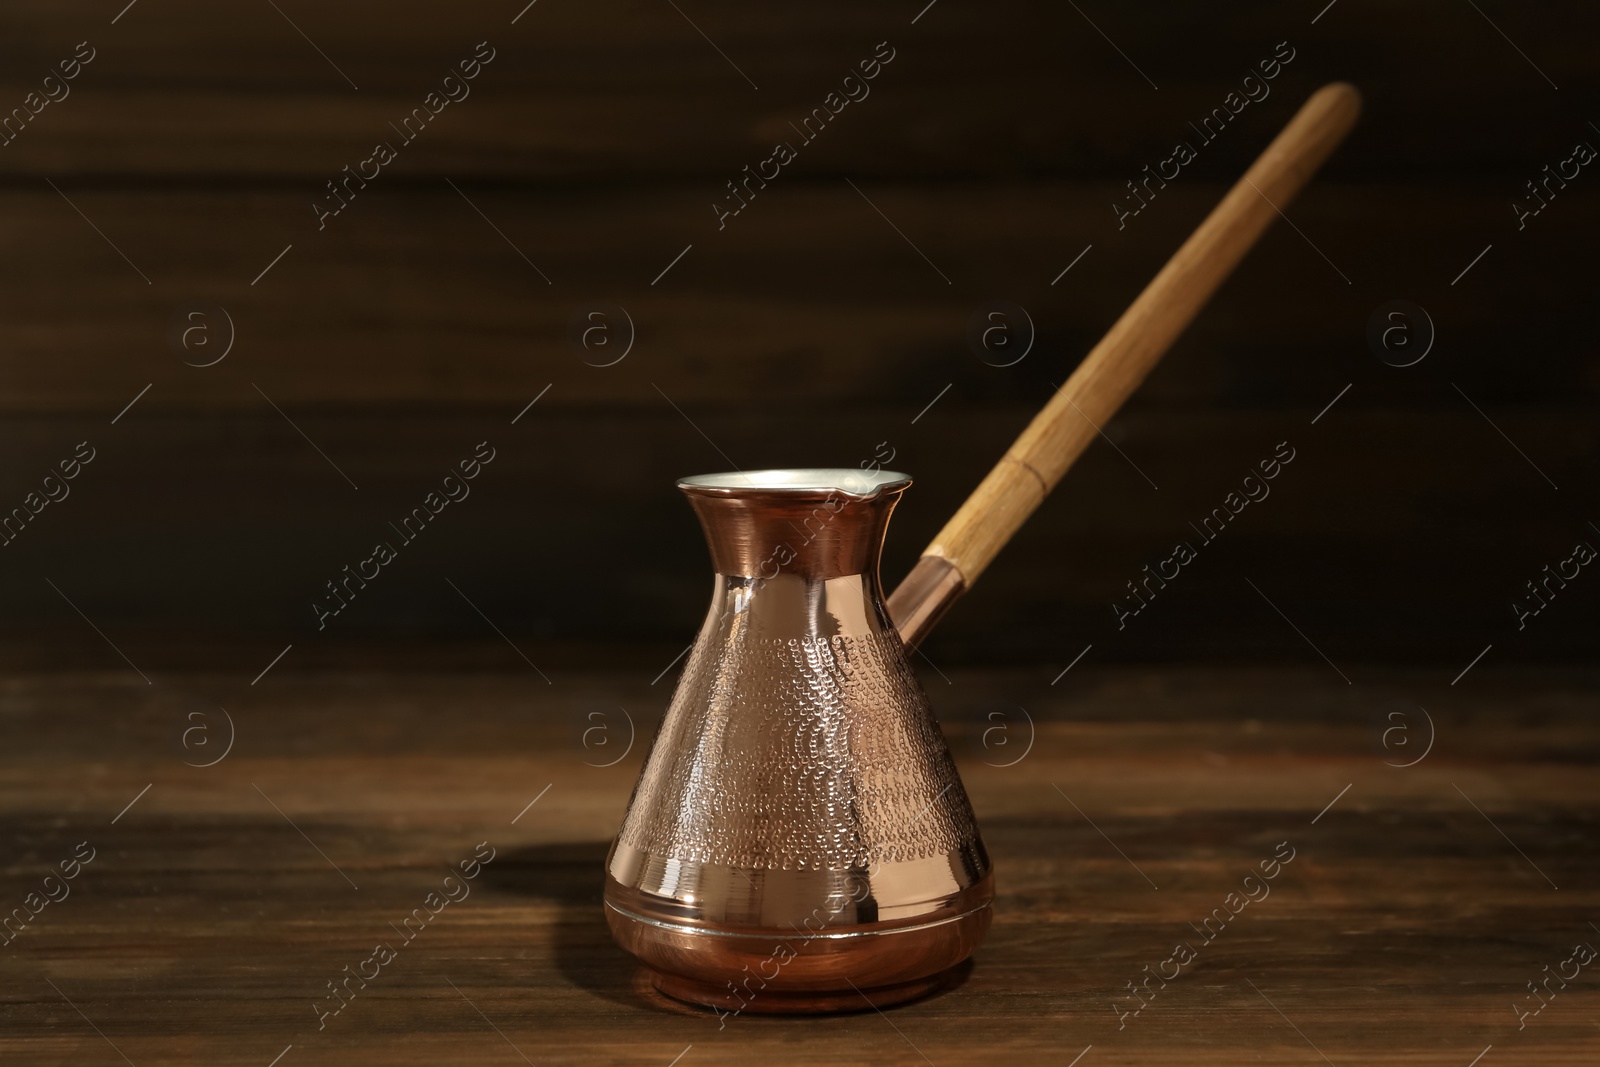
815 751
798 787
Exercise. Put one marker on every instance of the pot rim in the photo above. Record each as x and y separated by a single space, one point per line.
847 480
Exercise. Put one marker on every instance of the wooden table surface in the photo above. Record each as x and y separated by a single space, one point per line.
220 901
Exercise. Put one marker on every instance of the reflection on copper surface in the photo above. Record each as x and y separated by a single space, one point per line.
798 837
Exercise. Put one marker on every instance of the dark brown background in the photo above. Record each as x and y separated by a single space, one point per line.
806 332
803 334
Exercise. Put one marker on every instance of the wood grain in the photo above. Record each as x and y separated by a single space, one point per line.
628 93
806 332
185 528
418 303
207 926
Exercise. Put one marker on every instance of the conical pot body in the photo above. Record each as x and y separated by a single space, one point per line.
799 839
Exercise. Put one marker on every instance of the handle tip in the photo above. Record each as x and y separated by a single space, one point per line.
1342 98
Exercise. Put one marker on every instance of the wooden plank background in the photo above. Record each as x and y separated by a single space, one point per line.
805 332
828 317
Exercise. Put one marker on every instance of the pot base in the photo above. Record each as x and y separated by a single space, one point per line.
803 1002
786 972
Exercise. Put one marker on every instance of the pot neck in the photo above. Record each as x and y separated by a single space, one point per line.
816 532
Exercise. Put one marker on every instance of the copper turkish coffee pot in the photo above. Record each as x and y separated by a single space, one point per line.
799 839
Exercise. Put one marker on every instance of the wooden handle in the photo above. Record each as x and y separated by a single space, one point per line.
1091 396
